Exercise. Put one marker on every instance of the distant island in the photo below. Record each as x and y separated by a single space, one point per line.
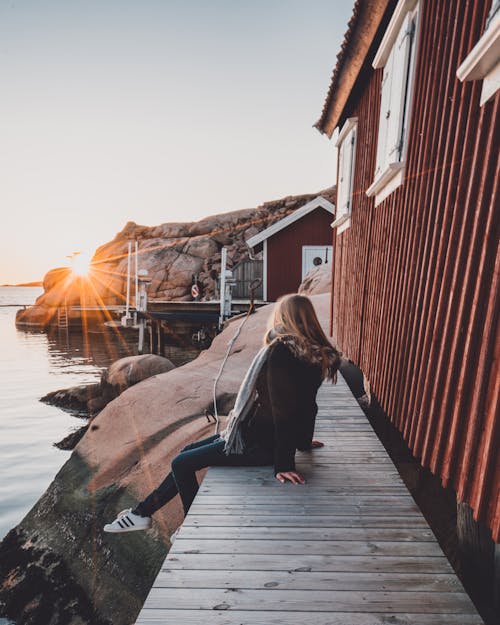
39 283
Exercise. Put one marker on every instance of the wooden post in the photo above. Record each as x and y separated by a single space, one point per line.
153 336
160 340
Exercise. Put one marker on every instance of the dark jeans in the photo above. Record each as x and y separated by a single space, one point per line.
209 452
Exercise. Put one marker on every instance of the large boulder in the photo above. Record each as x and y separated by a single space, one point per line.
89 399
128 371
317 280
182 270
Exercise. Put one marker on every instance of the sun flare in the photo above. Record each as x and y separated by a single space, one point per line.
80 264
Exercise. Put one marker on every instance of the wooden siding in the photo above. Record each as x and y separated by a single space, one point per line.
246 273
415 289
350 547
284 251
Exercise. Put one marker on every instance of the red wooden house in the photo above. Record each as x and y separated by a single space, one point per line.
413 106
293 246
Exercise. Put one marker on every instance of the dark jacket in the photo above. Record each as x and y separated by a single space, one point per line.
285 413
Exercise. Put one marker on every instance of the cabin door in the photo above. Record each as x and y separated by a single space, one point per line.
315 255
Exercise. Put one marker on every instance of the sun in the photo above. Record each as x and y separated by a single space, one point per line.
80 264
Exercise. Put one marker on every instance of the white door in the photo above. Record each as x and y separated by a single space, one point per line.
315 255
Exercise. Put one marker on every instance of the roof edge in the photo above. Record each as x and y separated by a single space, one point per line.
317 202
362 28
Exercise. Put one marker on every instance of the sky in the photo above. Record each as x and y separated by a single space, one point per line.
154 111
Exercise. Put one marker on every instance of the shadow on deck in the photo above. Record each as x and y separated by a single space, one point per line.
348 548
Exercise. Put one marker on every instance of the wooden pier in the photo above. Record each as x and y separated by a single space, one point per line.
350 547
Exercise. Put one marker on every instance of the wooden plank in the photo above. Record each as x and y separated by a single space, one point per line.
312 600
305 547
306 495
179 578
305 521
271 489
301 509
313 533
306 506
263 617
355 472
279 562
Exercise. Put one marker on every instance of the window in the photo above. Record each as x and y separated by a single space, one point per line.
397 56
482 62
346 146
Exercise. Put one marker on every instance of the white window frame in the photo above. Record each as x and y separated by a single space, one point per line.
346 150
482 62
396 55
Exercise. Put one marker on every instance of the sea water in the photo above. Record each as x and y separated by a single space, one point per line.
33 363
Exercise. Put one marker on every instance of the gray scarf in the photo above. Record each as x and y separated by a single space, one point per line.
325 356
243 404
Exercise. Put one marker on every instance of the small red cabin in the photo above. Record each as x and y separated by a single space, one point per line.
293 246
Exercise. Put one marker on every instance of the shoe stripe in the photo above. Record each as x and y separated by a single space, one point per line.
130 520
120 524
125 521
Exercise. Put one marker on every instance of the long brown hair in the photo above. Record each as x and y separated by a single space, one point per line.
294 315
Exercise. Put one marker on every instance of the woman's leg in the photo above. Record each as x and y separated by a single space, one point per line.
167 490
185 465
200 443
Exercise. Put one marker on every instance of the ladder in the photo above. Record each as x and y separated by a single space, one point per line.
62 318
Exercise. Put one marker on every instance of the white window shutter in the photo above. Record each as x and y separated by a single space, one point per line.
401 55
346 173
385 114
351 148
342 181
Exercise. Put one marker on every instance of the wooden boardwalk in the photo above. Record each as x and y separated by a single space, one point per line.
348 548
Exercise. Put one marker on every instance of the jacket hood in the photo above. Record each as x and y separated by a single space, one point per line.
327 357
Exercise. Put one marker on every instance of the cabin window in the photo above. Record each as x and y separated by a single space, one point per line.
482 62
396 55
346 150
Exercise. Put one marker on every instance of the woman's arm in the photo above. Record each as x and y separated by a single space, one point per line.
283 393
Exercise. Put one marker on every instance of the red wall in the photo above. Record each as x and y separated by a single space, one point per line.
284 251
415 294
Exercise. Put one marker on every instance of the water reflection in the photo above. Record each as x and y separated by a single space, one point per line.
72 350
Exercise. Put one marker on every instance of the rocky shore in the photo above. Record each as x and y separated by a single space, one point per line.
57 565
88 400
171 253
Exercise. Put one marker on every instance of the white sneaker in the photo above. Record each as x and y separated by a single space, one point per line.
127 521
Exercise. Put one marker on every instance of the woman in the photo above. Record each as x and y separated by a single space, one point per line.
274 412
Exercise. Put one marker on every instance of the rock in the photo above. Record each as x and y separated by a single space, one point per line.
133 369
38 316
182 270
179 293
251 232
204 247
171 231
75 398
318 280
88 400
54 277
40 586
70 441
95 405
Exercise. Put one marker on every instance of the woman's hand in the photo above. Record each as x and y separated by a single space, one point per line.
317 444
291 476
